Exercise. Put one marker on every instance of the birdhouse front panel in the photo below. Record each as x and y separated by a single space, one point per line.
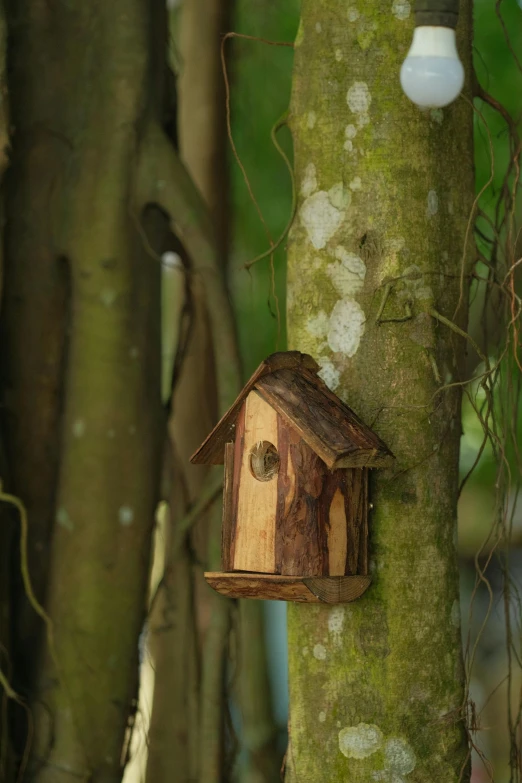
254 501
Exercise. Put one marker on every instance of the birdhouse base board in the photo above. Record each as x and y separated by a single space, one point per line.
273 587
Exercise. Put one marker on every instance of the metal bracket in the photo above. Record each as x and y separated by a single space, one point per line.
436 13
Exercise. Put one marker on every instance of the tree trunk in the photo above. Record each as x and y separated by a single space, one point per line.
81 269
36 306
375 257
186 741
7 523
179 745
202 125
174 749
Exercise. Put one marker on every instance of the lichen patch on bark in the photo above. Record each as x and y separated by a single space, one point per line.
361 741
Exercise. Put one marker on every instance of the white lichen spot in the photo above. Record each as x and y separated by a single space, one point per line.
362 120
322 717
375 565
108 296
348 145
351 261
359 742
348 275
310 121
317 325
320 652
339 196
336 623
320 218
356 183
433 204
346 327
455 614
358 98
353 14
318 27
338 55
63 519
305 651
401 9
329 372
309 183
437 115
399 757
171 261
78 428
350 131
125 515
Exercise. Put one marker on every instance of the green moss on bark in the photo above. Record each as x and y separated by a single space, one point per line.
391 248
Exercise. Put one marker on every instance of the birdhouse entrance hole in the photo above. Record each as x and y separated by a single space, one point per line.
264 461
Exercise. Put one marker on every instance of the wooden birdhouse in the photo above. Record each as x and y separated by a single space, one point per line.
295 500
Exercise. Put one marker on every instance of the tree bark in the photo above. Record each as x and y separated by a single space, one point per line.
202 124
177 745
36 303
83 81
174 749
376 254
180 744
7 523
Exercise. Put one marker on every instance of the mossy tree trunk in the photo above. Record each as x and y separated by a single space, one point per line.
375 256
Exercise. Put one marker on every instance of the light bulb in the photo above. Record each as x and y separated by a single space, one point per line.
432 74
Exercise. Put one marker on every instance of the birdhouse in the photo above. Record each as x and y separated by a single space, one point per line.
295 499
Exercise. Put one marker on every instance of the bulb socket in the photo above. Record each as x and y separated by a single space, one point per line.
436 13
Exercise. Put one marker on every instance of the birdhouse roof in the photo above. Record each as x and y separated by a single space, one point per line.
289 383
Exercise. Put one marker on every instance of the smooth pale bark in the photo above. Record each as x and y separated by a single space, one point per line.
386 191
201 94
174 750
